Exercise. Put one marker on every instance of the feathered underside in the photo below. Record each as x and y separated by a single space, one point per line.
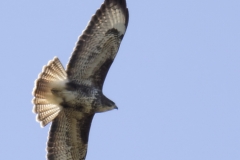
68 137
88 65
99 43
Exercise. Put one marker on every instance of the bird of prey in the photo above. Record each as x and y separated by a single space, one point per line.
70 98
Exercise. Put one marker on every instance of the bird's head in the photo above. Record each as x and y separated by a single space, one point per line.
106 105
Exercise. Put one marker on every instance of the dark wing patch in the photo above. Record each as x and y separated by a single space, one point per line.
68 136
99 76
84 128
99 43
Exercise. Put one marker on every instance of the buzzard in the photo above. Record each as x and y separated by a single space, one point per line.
70 98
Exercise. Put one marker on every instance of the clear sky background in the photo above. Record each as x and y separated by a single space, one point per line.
176 78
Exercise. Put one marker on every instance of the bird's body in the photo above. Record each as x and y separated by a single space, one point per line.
70 98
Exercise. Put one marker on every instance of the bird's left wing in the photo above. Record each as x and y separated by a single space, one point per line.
68 136
99 43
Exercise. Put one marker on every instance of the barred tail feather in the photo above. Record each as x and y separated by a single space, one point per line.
46 105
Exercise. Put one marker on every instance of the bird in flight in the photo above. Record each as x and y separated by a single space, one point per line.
70 98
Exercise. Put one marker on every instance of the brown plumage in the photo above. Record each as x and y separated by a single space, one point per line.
69 99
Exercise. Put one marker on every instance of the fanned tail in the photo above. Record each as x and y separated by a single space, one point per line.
46 105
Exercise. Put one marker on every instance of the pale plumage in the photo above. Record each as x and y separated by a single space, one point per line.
69 99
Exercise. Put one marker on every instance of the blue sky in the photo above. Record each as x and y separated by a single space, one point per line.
176 78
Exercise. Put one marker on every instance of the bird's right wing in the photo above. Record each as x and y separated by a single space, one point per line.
68 136
99 43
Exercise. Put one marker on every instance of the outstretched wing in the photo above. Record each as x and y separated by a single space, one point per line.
99 43
68 136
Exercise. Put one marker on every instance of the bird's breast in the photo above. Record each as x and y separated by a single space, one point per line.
81 98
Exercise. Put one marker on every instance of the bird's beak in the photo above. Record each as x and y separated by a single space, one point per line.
116 107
